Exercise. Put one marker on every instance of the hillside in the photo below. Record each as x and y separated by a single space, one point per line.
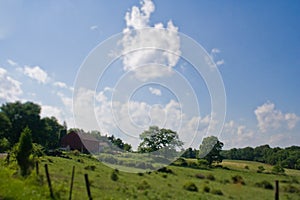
215 183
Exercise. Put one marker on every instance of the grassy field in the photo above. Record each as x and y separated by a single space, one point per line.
215 183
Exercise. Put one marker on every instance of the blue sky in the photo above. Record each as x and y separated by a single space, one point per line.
255 44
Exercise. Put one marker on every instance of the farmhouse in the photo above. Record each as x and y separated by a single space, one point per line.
81 141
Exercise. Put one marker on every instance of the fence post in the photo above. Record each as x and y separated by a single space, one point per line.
87 183
37 167
276 190
72 179
49 181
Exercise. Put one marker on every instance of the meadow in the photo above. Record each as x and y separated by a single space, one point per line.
230 180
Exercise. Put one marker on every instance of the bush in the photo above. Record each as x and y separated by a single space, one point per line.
76 152
180 162
165 170
217 192
210 177
260 169
114 175
23 151
277 169
190 186
237 179
203 163
200 176
37 150
143 185
291 189
264 184
206 189
246 167
90 167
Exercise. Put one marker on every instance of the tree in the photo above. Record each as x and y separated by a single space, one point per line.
21 115
155 139
210 150
51 132
24 149
119 143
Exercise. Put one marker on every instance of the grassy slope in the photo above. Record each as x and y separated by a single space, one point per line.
157 186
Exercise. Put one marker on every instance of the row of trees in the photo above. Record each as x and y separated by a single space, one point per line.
15 117
286 157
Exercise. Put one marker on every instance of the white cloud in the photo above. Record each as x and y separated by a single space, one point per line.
49 111
155 91
237 135
215 51
60 84
154 45
220 62
94 27
36 73
215 58
12 63
271 119
10 89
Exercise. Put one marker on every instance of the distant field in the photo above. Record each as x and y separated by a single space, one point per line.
154 185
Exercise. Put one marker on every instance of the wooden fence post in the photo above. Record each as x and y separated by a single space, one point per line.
87 183
72 180
37 167
276 190
49 181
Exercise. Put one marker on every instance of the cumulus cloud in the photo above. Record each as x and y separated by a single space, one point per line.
36 73
49 111
269 118
160 45
10 89
155 91
237 135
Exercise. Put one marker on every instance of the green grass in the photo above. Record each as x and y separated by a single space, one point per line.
154 185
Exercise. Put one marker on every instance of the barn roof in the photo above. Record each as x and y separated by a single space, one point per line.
86 136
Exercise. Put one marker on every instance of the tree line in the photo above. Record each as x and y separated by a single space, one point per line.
15 117
285 157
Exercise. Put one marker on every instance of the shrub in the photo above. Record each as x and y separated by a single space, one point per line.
217 192
143 185
23 151
165 170
180 162
90 167
246 167
277 169
165 176
210 177
114 175
190 186
237 179
76 152
264 184
37 150
200 176
206 189
260 169
203 163
291 189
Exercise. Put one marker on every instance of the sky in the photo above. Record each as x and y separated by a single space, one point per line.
46 47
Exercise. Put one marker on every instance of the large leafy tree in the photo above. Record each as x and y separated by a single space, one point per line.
20 116
15 117
52 130
210 150
155 139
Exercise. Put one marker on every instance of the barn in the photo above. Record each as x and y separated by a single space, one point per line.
81 141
